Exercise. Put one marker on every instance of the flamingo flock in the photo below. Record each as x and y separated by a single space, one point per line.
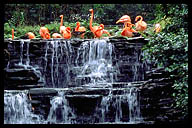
98 31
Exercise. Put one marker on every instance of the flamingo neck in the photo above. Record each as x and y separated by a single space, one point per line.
99 29
141 18
91 20
61 21
12 34
77 27
68 31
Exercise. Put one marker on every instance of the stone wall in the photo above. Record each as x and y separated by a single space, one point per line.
156 98
56 61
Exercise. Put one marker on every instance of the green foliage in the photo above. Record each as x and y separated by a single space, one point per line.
53 27
7 31
169 49
17 19
104 13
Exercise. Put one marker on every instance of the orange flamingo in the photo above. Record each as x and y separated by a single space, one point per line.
44 32
12 34
80 29
30 35
124 19
65 31
100 31
140 25
96 30
47 36
128 30
56 35
157 28
62 28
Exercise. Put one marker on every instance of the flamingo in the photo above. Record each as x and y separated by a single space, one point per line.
80 29
12 34
44 32
140 25
124 19
56 35
65 31
96 30
101 31
62 28
47 35
30 35
128 30
157 28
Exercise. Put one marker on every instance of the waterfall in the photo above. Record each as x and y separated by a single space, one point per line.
18 110
59 66
133 100
28 59
93 64
60 111
94 58
21 52
52 63
129 99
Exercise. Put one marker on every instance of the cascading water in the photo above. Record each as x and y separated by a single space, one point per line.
92 67
60 111
95 61
58 67
24 63
18 110
122 105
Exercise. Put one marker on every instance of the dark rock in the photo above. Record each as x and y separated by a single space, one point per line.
87 91
20 72
43 91
88 103
29 86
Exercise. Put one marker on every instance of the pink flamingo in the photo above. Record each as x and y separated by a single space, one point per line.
97 30
140 25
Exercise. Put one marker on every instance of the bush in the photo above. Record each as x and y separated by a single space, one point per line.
169 49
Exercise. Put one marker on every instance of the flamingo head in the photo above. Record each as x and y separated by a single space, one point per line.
137 18
47 35
78 24
68 28
124 19
102 26
61 16
157 25
91 10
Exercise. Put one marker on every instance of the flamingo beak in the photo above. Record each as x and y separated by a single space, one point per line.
117 21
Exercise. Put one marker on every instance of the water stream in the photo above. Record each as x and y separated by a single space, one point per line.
18 110
91 67
95 61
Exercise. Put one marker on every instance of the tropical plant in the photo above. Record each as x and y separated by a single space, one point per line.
169 49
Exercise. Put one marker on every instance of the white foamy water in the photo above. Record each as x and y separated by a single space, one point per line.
18 110
95 60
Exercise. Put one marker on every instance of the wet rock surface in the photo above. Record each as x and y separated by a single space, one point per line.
20 78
